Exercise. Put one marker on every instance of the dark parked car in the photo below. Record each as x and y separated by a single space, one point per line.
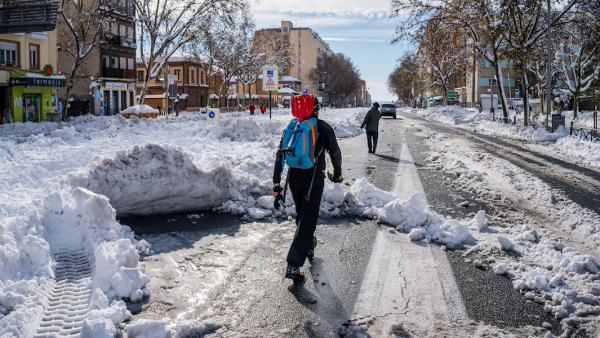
388 110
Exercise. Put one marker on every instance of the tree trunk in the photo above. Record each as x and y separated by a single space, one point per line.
69 88
501 90
525 99
575 105
474 78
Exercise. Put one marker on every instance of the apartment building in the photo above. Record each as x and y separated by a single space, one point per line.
307 45
24 90
109 71
192 84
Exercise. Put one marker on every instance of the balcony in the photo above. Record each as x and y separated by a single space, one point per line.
112 73
112 39
129 74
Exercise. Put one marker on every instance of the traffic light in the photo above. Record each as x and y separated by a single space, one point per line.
402 88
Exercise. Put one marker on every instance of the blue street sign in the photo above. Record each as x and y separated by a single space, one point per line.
211 114
305 91
270 73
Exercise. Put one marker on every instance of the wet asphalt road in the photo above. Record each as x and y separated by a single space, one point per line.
255 301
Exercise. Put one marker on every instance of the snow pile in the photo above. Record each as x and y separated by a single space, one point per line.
566 281
521 132
67 219
154 179
582 151
447 114
143 108
413 215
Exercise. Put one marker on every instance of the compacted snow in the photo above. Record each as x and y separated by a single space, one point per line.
570 147
64 184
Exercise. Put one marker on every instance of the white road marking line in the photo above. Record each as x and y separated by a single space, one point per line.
396 285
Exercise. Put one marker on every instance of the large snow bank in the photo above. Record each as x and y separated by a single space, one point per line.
154 179
582 151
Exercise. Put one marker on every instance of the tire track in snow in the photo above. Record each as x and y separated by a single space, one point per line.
69 299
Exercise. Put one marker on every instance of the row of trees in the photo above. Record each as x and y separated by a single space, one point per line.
217 34
338 78
452 35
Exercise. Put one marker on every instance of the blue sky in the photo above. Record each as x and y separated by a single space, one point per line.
357 28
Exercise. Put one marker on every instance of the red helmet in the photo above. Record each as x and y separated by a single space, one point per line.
302 106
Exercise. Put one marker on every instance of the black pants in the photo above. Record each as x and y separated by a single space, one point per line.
251 112
307 214
372 135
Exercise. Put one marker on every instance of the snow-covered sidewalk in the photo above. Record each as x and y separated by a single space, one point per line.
558 143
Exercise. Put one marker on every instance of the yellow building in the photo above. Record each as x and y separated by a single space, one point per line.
28 93
307 45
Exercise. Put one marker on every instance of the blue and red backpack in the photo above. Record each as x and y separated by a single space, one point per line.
300 136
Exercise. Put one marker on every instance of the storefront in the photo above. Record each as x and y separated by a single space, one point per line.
33 95
112 97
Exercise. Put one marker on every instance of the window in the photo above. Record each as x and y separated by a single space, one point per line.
123 63
34 56
130 64
178 73
122 31
106 27
131 98
285 36
192 76
299 38
130 6
130 33
9 55
114 62
140 75
115 28
285 29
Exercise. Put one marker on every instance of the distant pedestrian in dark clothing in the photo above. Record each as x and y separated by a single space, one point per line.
372 127
263 108
252 108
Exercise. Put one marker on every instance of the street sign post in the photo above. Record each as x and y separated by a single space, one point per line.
270 82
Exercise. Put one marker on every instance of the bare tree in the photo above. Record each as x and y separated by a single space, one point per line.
443 49
581 66
405 77
166 25
82 20
342 80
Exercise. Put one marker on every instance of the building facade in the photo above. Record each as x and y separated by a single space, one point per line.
192 84
25 93
108 74
307 45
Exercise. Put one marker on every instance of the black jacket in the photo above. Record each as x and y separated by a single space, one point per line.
372 120
327 140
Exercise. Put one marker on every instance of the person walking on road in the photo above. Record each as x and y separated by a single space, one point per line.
252 108
307 187
372 127
263 108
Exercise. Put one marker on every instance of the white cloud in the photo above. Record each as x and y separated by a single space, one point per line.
380 15
351 40
324 7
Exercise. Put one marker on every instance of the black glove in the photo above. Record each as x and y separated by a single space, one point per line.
278 189
334 179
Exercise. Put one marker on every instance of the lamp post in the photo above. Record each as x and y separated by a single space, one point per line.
549 69
318 84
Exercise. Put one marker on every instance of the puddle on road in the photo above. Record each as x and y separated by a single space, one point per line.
360 170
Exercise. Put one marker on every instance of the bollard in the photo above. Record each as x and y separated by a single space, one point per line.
571 132
515 120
